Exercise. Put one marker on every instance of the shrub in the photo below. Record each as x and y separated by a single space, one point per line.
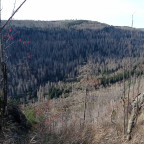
31 115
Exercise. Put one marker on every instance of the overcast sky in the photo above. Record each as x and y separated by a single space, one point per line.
113 12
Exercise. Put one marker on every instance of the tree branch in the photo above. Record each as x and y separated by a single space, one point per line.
12 15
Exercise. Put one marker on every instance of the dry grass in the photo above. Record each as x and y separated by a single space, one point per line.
66 119
73 134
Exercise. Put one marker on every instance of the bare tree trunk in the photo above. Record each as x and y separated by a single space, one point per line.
131 123
124 124
130 70
139 101
138 89
3 98
128 102
1 61
85 105
4 87
133 95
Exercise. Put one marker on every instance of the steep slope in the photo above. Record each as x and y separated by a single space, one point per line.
42 52
74 69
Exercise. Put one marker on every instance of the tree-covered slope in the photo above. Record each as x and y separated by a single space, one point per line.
51 51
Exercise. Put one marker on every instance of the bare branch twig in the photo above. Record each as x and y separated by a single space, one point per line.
13 15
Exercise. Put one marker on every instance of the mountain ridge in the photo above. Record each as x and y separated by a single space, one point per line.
57 24
57 51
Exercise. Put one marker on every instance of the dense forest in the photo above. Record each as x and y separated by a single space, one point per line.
42 52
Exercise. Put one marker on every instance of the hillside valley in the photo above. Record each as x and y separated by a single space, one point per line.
73 79
43 52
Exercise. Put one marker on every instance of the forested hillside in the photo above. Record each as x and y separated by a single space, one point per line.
41 52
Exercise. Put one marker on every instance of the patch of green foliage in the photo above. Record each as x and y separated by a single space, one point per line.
118 77
56 92
31 116
76 22
14 101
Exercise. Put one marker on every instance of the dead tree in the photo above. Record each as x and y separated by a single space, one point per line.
124 103
137 105
3 68
85 104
